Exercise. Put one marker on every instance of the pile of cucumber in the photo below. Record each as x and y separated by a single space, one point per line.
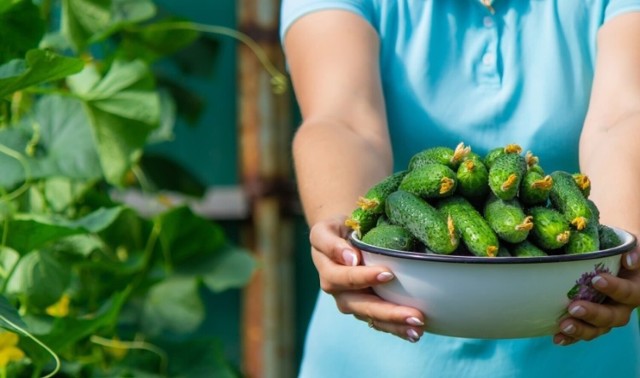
455 202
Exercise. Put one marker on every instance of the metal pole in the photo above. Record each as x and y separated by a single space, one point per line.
265 130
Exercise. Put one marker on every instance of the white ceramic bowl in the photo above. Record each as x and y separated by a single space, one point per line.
489 298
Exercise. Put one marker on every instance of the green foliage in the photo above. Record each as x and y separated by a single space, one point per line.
93 288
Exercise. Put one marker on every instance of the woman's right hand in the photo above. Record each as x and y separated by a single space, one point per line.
342 276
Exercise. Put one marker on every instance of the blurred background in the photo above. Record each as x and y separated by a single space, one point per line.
147 145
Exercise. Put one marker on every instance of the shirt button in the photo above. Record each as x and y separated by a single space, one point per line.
488 59
488 22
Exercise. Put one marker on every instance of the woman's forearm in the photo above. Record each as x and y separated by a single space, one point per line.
334 165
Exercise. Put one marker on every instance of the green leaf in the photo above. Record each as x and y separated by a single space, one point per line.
7 311
87 21
21 28
233 269
123 109
155 41
39 279
185 234
81 19
27 232
39 66
173 305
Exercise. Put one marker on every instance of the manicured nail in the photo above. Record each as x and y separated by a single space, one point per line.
413 334
385 276
598 281
349 258
632 260
413 340
414 321
577 311
569 330
562 342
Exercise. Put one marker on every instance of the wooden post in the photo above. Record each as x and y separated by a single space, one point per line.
265 130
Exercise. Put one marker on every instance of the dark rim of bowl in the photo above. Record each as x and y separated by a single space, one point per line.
628 243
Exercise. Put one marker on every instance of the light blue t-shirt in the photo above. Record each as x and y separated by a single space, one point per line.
453 72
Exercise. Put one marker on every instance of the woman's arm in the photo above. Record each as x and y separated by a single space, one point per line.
340 150
610 156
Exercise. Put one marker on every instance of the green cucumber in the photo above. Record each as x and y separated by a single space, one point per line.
391 236
505 175
550 228
440 155
583 241
583 182
476 234
473 177
431 180
371 205
493 154
567 197
428 225
608 237
527 249
535 187
507 219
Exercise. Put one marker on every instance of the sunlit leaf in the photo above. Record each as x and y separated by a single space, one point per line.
21 28
173 305
39 278
86 21
39 66
123 109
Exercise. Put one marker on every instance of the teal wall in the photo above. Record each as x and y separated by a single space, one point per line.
209 151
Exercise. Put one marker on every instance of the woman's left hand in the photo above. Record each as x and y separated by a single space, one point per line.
589 320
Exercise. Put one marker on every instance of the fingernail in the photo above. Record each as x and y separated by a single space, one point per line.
414 321
598 281
413 334
569 330
577 311
632 260
413 340
562 342
349 258
385 276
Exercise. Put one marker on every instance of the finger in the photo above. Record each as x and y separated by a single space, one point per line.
631 260
330 239
625 290
402 321
335 278
573 330
601 315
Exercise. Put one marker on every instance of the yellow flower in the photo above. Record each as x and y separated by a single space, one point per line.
59 309
8 349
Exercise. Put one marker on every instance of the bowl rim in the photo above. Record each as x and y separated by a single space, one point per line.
629 242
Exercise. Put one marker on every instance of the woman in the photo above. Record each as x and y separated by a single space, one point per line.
379 80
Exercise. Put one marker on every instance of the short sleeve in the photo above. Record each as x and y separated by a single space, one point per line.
617 7
292 10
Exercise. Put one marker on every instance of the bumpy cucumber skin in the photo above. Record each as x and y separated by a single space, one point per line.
507 219
423 221
473 177
529 194
371 205
476 234
583 241
527 249
568 198
608 237
501 171
550 228
426 181
390 236
439 155
595 212
492 155
382 189
362 221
